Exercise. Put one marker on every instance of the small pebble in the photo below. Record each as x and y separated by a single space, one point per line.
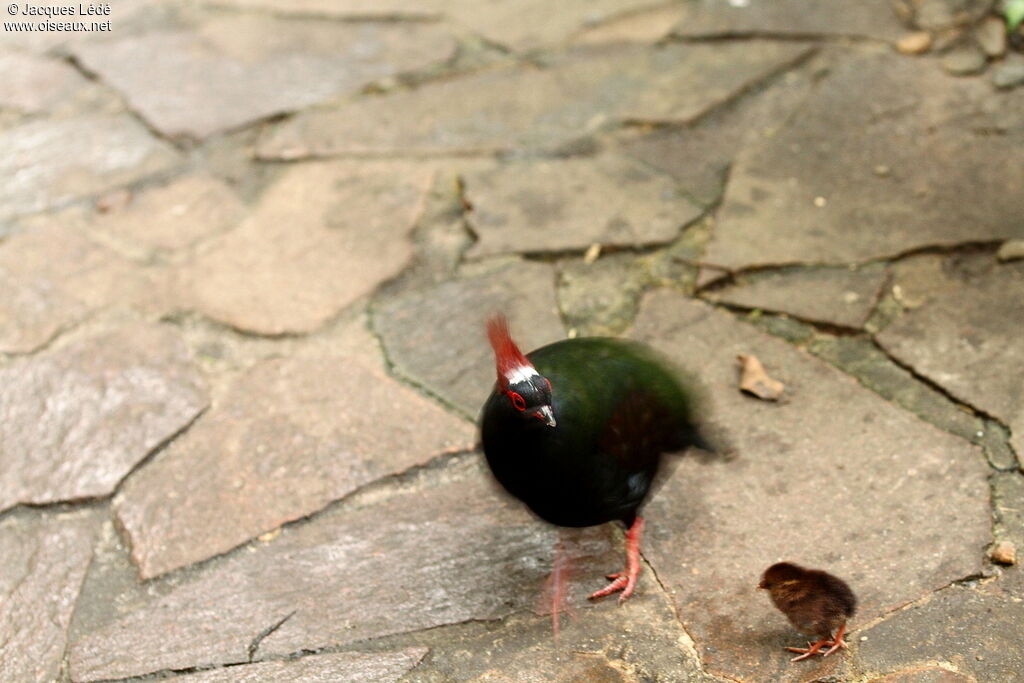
1011 250
820 202
991 36
934 14
964 61
882 171
1009 73
1004 552
914 43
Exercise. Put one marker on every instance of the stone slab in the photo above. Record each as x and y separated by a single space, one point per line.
77 419
524 25
340 9
580 91
861 358
415 557
973 630
320 237
698 156
836 296
436 337
48 163
601 298
558 205
798 18
43 559
644 26
923 674
921 171
34 84
968 342
835 478
354 667
237 69
52 277
599 642
290 436
174 216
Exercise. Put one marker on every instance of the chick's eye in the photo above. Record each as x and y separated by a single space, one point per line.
517 401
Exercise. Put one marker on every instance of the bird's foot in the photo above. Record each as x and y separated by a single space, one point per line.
625 580
556 586
621 581
809 651
815 648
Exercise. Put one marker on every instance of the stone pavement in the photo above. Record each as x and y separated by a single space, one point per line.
246 252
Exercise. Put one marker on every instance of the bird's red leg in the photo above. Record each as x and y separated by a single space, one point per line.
625 580
556 585
814 649
838 642
808 651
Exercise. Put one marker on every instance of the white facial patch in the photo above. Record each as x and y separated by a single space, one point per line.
521 373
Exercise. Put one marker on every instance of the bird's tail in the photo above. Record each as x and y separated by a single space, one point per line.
711 443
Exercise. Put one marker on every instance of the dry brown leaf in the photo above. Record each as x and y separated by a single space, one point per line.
754 380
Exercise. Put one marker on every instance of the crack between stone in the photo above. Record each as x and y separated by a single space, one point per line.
395 372
932 384
837 331
354 18
57 507
616 123
154 452
255 644
90 75
556 256
780 36
675 613
755 85
923 600
439 461
65 659
966 247
351 646
170 673
819 325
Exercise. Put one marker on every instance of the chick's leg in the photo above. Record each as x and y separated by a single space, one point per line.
815 648
625 580
838 642
810 651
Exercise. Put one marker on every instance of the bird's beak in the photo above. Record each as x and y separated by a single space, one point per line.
545 413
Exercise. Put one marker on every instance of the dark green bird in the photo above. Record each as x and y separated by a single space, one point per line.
577 430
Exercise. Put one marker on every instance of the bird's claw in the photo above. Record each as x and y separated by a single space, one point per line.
815 648
809 651
620 581
625 580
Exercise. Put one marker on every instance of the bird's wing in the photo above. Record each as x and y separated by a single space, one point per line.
638 431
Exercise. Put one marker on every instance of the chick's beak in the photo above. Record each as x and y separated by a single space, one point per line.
545 413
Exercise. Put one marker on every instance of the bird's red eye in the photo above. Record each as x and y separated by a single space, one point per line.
517 401
549 384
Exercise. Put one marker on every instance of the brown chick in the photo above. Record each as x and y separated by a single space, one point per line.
815 602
